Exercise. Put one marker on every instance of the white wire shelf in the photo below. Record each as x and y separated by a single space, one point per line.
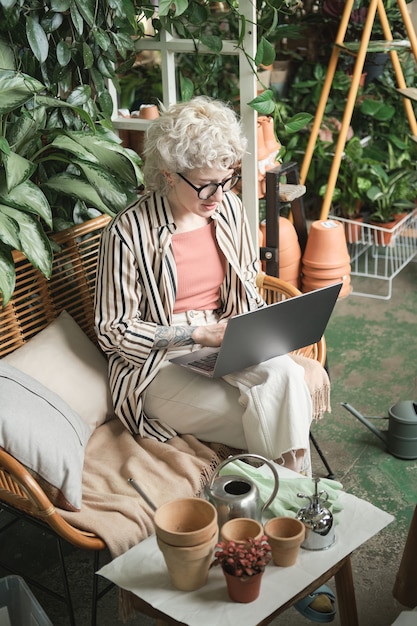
378 254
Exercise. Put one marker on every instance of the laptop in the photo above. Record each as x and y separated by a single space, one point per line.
259 335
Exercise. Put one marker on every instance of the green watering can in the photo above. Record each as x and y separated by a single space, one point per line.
401 437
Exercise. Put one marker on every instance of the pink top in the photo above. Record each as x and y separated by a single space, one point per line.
200 269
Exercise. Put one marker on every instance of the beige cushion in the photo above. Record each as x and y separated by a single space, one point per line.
42 432
63 358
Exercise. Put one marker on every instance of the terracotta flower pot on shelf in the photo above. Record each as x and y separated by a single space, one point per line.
148 112
353 229
384 231
137 137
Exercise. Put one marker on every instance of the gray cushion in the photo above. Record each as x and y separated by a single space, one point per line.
42 432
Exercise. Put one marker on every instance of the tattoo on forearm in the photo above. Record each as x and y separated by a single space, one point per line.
170 336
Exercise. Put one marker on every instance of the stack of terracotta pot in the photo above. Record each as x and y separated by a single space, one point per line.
186 533
326 258
289 251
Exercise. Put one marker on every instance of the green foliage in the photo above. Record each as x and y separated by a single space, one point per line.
378 116
52 176
72 47
353 180
386 191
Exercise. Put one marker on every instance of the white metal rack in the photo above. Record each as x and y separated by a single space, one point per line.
379 253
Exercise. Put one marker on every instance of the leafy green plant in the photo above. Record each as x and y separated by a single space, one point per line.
51 177
386 192
72 48
307 87
353 181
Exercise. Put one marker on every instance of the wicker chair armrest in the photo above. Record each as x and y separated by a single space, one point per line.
20 490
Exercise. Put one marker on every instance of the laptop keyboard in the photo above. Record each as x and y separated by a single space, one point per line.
206 363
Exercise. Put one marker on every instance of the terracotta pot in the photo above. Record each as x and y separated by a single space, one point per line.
240 529
270 142
326 245
188 567
383 237
289 246
262 152
148 112
353 229
327 273
261 237
285 536
137 137
185 522
245 589
261 185
291 273
289 251
311 284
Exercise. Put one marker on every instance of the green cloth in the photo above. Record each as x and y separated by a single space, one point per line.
286 503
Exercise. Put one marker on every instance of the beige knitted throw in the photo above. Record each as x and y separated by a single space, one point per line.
318 382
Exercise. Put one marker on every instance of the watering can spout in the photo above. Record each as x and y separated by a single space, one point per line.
379 433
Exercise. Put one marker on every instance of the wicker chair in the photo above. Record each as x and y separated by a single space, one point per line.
36 302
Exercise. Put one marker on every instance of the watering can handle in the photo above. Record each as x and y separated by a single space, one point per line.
257 457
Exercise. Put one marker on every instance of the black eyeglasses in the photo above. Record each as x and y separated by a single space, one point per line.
206 191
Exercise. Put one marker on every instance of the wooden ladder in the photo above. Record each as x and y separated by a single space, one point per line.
360 53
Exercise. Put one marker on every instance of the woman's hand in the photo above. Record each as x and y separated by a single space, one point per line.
210 336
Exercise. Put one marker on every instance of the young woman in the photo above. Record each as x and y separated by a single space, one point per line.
173 268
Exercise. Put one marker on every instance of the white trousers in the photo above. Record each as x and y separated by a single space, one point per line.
265 409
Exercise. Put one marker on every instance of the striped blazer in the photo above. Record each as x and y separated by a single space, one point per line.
135 292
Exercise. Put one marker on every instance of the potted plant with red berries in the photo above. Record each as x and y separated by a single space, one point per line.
243 565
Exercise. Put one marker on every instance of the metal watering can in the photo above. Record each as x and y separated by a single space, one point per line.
238 496
401 436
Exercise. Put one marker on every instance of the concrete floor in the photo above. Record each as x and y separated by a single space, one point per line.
371 351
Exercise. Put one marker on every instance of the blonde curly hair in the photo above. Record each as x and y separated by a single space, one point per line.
200 133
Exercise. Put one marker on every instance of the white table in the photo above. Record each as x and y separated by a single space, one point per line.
142 571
